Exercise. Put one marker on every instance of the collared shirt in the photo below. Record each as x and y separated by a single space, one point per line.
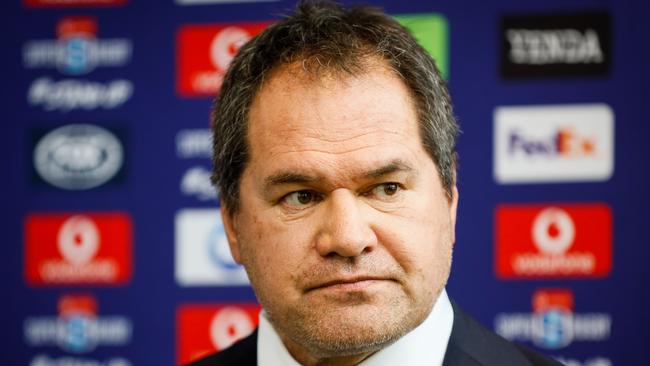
424 345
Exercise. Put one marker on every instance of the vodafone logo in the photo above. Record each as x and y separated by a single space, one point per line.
538 241
78 249
225 45
204 53
205 328
78 240
229 325
553 231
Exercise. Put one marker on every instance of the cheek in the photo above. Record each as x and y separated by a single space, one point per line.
272 251
418 238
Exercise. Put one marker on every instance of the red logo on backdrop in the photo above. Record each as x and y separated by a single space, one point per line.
552 299
77 304
541 241
205 329
204 53
70 27
71 3
65 249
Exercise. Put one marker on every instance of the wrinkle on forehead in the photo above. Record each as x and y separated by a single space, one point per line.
338 157
332 126
316 115
334 141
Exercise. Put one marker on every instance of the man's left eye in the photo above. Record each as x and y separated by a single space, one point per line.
385 190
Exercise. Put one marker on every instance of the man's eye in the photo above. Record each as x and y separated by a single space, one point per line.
386 190
300 198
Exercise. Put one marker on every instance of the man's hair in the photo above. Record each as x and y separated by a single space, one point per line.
324 36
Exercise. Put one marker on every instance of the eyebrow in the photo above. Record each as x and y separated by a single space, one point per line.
289 177
394 166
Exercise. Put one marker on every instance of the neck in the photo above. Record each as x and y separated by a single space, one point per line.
306 358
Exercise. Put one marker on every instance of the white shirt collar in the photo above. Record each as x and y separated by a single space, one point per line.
424 345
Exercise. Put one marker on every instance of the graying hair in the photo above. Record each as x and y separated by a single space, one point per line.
325 36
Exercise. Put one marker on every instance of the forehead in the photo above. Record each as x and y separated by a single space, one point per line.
334 118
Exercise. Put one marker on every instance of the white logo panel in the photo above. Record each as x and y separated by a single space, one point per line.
78 156
202 253
546 144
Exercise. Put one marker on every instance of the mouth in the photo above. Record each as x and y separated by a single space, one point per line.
352 284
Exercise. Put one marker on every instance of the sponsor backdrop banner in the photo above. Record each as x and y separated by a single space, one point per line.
115 253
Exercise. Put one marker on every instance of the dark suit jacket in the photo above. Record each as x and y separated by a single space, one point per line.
470 344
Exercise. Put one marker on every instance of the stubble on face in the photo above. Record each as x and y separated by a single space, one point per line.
316 323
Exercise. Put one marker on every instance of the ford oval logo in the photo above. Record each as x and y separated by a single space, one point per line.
78 156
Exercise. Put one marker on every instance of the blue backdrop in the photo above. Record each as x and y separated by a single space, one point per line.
137 99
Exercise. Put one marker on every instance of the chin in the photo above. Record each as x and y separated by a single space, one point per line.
353 330
340 339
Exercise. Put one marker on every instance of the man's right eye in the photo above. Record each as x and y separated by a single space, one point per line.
300 199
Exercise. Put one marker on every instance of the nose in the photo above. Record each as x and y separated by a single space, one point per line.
345 230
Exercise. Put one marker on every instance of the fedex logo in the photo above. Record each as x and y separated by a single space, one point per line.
205 329
554 323
204 52
553 241
568 143
565 141
78 249
77 50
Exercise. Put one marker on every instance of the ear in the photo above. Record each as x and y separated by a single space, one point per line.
453 206
230 226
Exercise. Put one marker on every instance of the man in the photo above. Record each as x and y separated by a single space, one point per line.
334 154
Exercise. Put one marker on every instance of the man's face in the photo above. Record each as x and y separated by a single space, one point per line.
343 226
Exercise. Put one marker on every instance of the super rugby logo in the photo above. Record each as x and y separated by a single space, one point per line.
77 50
554 323
78 328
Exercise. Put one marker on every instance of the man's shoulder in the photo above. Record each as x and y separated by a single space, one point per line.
243 353
471 344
